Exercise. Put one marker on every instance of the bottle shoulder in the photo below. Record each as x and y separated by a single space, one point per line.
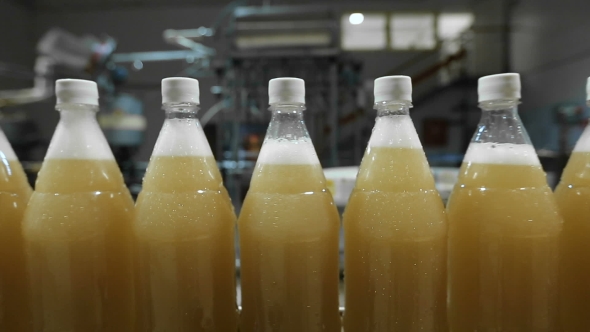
180 174
13 178
68 176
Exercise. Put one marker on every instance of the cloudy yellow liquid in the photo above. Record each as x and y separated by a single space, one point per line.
289 251
573 199
185 228
395 245
503 250
79 241
15 311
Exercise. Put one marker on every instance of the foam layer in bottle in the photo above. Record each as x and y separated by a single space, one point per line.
395 131
501 153
182 137
78 136
288 152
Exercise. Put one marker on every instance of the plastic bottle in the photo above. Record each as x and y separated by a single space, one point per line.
573 198
78 225
395 227
185 226
288 228
15 310
504 225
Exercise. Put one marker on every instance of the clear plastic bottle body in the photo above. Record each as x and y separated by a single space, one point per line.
395 234
289 229
573 198
185 227
504 228
78 232
15 307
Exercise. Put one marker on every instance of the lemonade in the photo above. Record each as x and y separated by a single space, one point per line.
185 228
395 235
573 198
289 245
288 229
78 226
503 242
15 311
504 225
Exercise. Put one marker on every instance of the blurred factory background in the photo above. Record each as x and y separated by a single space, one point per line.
339 47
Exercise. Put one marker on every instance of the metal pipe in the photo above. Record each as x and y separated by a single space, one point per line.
281 10
42 86
154 56
182 41
212 111
285 25
188 33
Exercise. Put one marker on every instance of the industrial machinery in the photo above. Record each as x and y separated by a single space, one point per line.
242 50
61 53
261 43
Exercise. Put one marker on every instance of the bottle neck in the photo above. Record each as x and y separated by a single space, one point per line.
287 122
500 123
387 108
499 105
181 133
394 127
181 110
69 113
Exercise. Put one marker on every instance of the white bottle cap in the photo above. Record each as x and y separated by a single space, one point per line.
388 88
286 90
70 91
588 90
180 90
500 86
